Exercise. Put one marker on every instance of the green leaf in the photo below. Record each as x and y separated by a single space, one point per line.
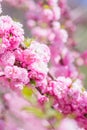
0 40
29 95
27 42
53 113
36 111
50 113
27 91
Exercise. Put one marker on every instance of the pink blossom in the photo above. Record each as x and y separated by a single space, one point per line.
16 73
38 70
7 58
56 11
11 33
19 66
8 71
35 53
47 15
18 54
24 73
42 99
41 50
28 56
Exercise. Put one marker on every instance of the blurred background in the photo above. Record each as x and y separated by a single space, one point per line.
79 13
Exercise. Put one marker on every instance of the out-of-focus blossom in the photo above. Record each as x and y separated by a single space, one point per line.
11 34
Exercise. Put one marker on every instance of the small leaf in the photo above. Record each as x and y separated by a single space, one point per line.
0 40
53 113
36 111
27 42
27 92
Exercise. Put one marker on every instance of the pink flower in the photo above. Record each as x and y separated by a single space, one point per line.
42 99
16 74
40 33
29 56
41 51
11 33
38 70
24 76
56 11
7 58
8 71
18 54
36 52
47 15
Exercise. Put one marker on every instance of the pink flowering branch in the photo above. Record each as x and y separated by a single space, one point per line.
48 73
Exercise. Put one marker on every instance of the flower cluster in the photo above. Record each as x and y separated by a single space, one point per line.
15 62
70 98
11 34
47 28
